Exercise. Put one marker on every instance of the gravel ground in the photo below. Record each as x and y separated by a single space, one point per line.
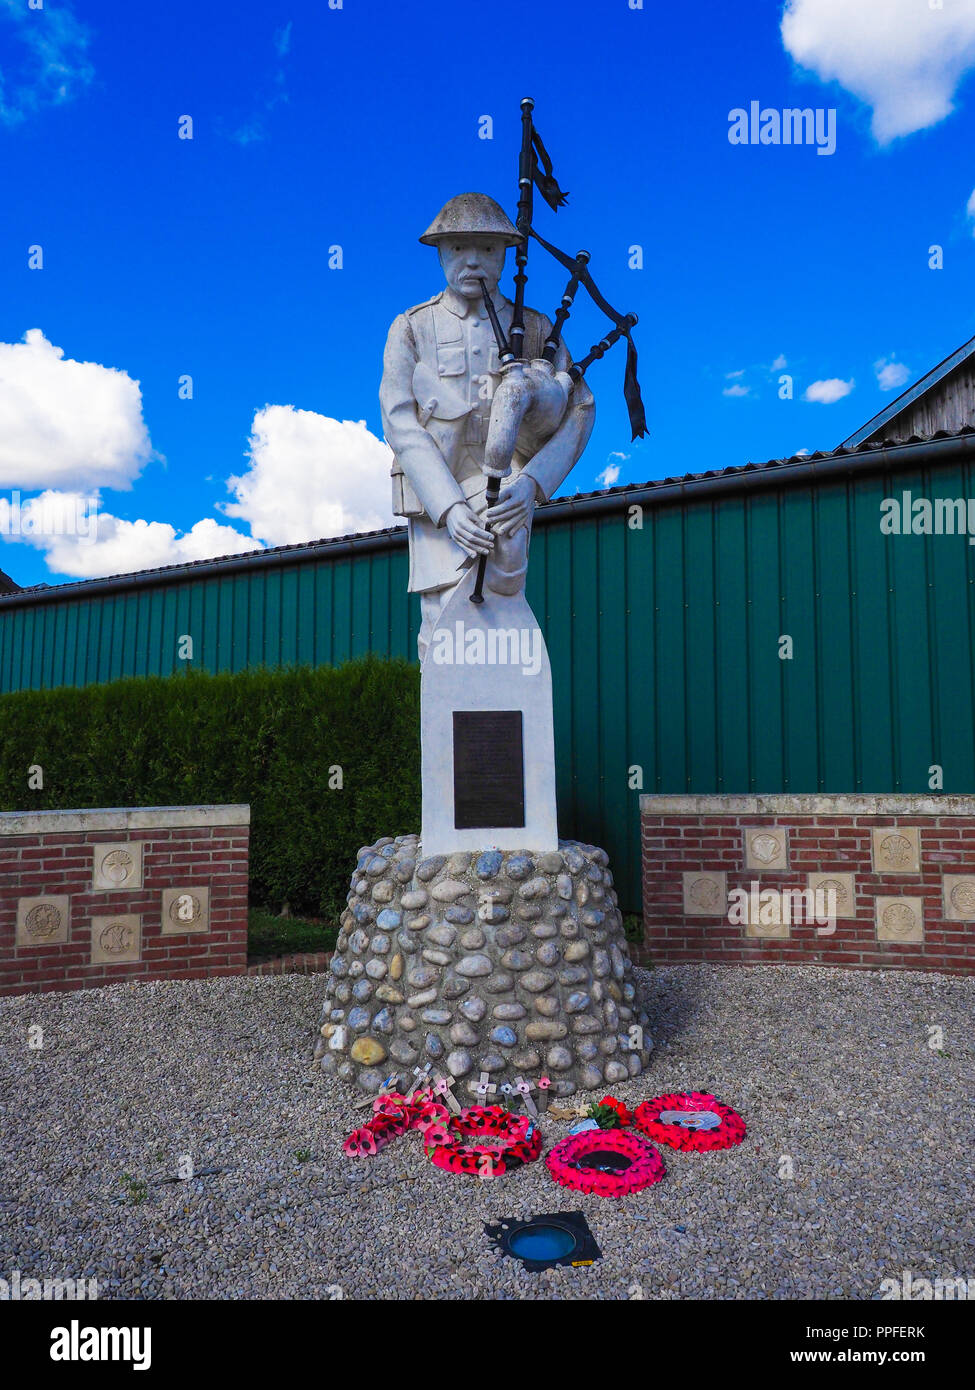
831 1069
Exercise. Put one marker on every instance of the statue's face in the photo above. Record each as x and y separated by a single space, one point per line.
468 259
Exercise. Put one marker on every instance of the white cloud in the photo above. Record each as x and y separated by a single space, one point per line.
83 542
779 364
970 209
903 58
891 374
736 390
67 424
734 376
826 392
48 59
311 476
609 476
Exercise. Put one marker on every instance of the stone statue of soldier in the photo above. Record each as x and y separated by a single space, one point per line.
440 369
462 416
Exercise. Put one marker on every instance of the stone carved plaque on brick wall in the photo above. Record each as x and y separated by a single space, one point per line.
896 849
959 893
117 867
705 894
185 910
116 939
766 918
843 885
766 848
900 919
42 921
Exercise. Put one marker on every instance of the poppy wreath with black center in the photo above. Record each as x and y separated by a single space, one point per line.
564 1162
731 1130
445 1147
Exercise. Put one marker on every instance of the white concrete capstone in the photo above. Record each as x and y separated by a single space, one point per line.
122 818
808 804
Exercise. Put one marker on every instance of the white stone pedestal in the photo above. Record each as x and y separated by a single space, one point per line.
488 749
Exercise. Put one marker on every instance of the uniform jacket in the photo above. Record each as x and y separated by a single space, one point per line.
439 370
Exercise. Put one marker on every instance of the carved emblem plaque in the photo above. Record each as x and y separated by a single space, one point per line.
844 887
959 897
767 919
42 921
766 848
705 894
896 849
117 867
116 940
900 919
185 910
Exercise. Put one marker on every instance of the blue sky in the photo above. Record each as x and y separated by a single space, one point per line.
316 127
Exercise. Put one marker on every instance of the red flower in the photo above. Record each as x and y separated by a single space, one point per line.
430 1113
361 1143
435 1133
391 1105
619 1107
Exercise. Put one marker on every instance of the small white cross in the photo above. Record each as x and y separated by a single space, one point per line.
442 1085
422 1075
484 1085
524 1090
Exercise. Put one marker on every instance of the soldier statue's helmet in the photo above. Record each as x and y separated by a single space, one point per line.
471 214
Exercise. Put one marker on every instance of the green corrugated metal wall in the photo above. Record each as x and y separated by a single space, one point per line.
664 644
319 612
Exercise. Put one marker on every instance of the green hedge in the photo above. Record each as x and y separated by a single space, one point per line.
265 737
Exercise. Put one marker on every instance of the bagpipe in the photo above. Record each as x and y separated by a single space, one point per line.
535 389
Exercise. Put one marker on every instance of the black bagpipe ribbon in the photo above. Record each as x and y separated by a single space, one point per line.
631 386
544 176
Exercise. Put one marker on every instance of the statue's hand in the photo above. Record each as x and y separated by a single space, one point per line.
465 528
514 507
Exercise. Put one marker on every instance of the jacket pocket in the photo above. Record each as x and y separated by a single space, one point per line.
451 359
405 500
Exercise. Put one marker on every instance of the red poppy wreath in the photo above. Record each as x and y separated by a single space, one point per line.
607 1163
444 1146
392 1116
658 1120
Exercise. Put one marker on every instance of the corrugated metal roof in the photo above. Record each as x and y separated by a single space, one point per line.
658 489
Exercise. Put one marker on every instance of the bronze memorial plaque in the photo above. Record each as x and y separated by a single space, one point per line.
489 769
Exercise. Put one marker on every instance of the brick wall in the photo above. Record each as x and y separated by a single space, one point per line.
901 869
91 897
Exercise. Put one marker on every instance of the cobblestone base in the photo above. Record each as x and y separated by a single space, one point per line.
501 962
